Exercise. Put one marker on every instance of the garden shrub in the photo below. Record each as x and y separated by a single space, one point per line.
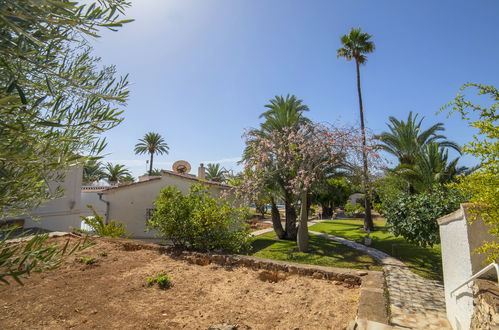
354 210
415 216
161 279
200 221
100 228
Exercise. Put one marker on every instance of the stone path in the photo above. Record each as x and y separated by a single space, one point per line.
415 302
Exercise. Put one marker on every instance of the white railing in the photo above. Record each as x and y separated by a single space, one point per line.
483 271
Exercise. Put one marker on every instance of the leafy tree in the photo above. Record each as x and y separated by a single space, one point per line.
215 172
282 114
116 173
406 139
356 45
55 97
331 193
152 143
483 184
92 171
31 254
298 158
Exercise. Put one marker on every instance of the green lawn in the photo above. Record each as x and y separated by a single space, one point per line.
323 252
426 262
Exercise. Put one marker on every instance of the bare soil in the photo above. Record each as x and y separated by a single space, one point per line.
112 293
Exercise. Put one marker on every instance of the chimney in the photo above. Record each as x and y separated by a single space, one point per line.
201 172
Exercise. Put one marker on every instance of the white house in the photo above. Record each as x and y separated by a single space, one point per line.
59 213
132 203
129 203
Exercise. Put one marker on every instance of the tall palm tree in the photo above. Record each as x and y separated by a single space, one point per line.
116 173
215 172
152 143
92 171
356 45
406 139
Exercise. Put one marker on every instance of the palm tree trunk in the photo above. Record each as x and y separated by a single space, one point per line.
150 165
276 220
302 238
368 220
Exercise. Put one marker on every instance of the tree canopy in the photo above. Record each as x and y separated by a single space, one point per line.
55 97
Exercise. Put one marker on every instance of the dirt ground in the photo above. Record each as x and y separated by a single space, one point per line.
112 294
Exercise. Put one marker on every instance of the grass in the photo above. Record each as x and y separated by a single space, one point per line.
323 252
426 262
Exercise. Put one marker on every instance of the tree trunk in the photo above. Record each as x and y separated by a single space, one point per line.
291 229
276 220
302 238
150 165
327 211
368 220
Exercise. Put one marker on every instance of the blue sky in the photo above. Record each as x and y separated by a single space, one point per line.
201 71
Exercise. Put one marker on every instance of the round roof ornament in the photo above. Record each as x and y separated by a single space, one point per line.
181 166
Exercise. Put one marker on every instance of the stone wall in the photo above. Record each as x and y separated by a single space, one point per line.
486 301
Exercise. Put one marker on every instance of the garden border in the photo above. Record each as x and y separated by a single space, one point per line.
373 301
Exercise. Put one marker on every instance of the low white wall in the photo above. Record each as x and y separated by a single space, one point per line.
459 238
456 261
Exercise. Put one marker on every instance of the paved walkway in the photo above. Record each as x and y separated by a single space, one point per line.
415 302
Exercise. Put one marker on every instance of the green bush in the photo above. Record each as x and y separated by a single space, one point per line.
100 228
199 221
415 216
354 210
164 281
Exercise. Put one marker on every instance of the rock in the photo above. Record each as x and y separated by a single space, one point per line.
361 273
318 275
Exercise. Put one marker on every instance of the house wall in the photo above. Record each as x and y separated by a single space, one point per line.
352 199
92 198
459 238
61 213
130 204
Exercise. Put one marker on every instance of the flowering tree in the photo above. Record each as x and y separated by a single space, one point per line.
296 158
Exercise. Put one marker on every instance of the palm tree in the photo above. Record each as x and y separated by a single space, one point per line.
406 139
430 167
215 172
281 112
116 173
155 172
92 171
284 112
355 45
152 143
